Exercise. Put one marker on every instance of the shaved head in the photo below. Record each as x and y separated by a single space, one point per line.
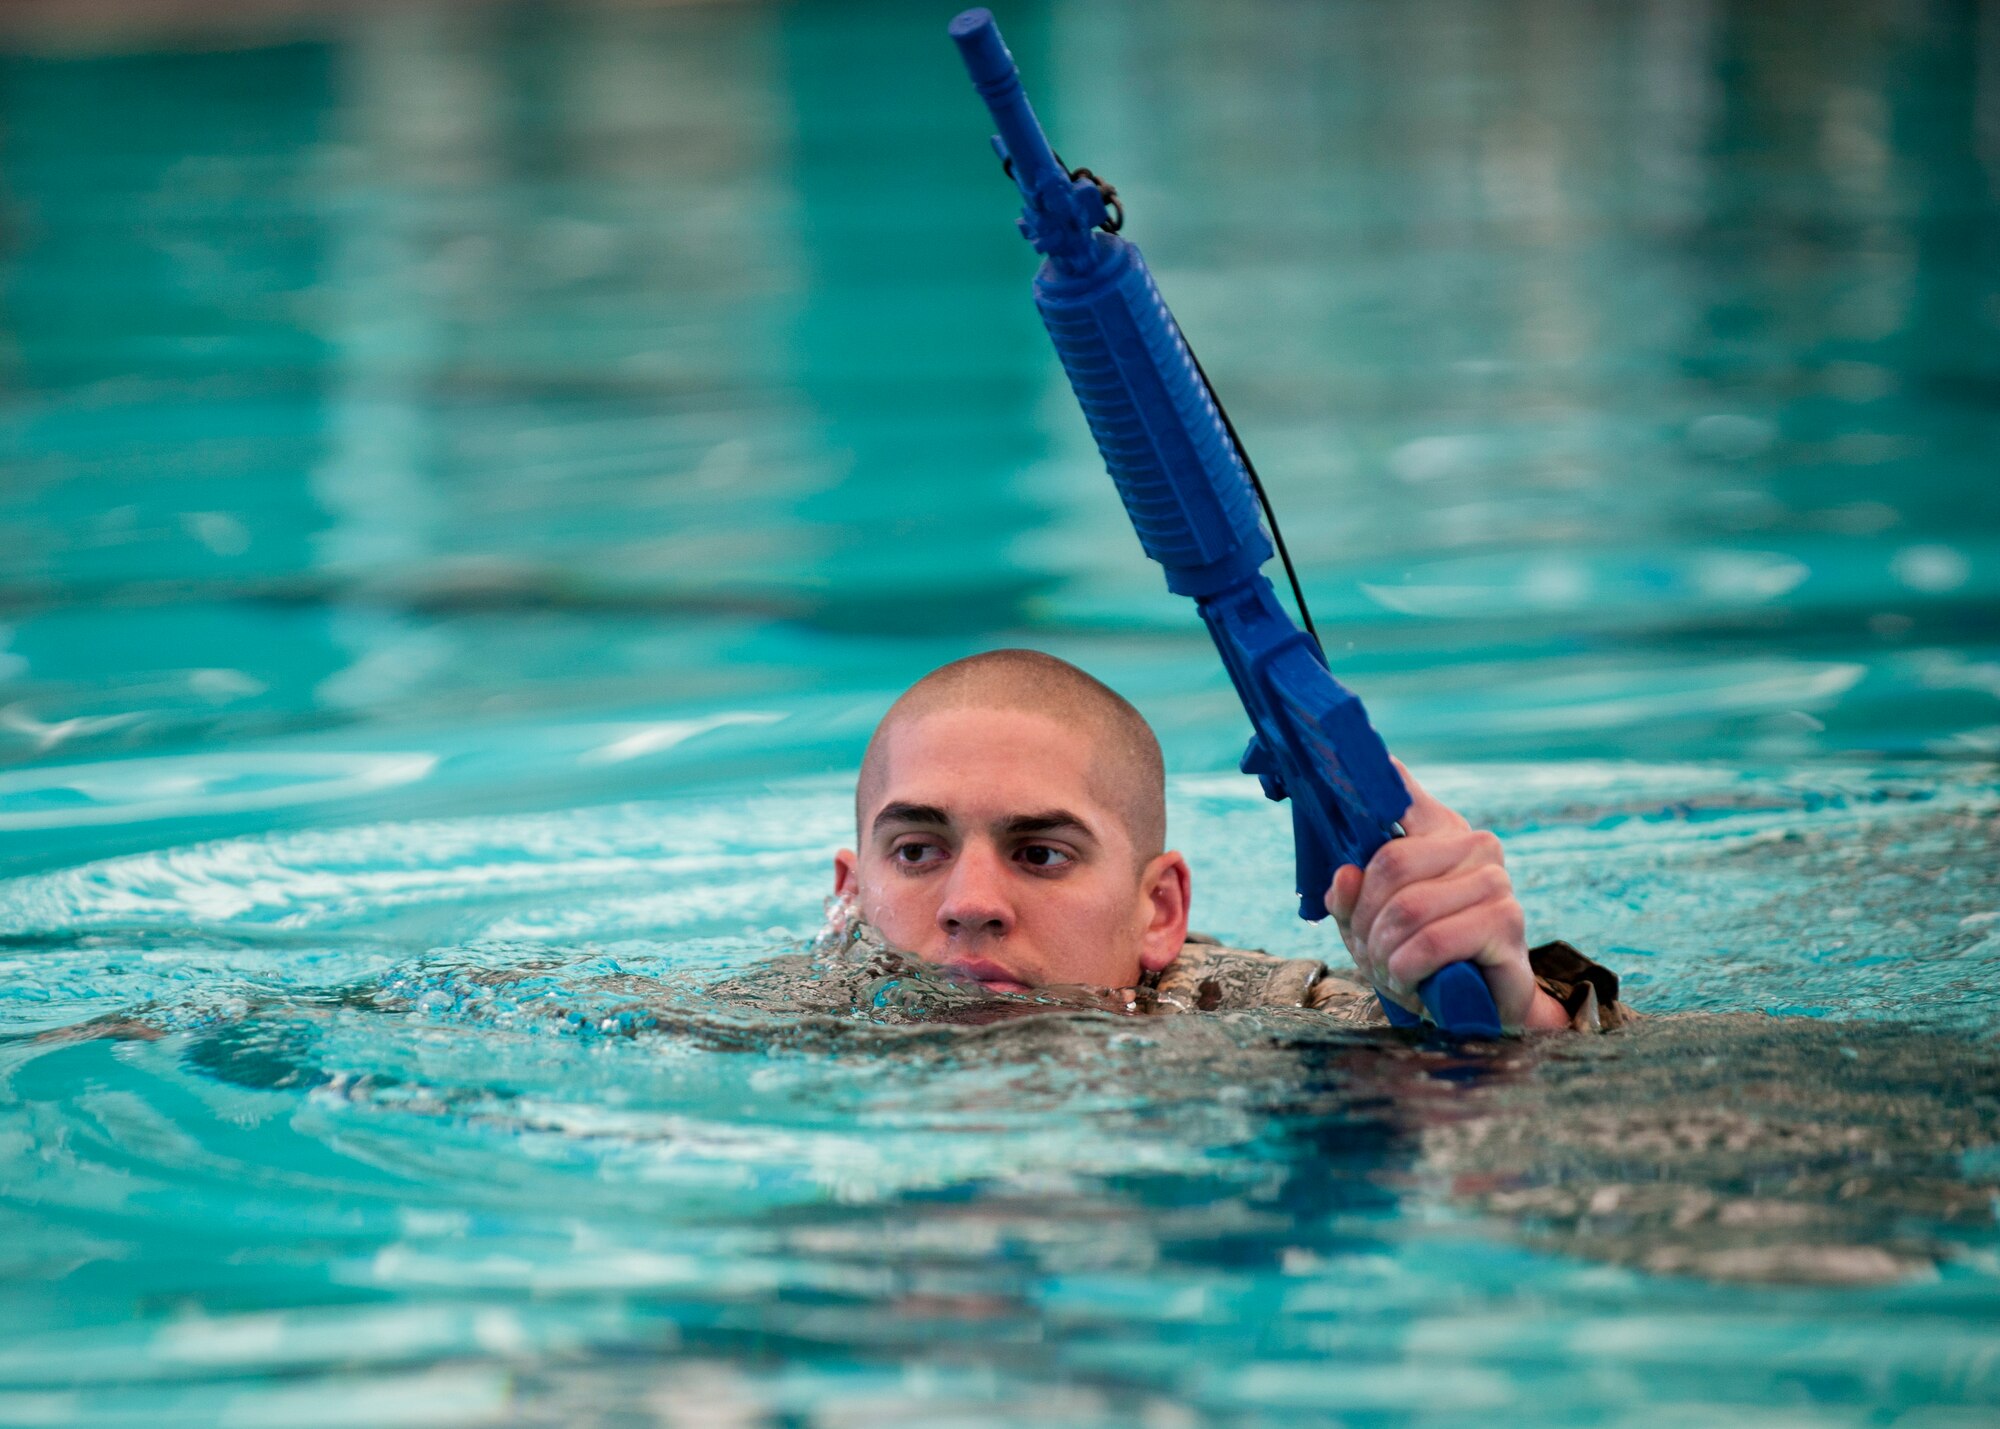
1128 773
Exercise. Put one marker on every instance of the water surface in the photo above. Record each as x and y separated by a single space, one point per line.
474 473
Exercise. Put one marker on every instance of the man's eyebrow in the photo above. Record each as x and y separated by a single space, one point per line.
912 814
1049 821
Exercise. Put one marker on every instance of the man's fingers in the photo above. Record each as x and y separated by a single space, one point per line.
1425 814
1343 892
1340 898
1489 935
1486 933
1422 905
1401 862
1438 896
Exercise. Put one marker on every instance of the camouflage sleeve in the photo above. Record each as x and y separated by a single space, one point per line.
1210 976
1587 990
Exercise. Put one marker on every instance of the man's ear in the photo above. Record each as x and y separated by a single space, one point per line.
846 874
1164 891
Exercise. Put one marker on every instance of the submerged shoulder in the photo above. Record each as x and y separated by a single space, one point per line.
1211 976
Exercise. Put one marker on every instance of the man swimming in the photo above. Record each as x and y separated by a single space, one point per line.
1010 828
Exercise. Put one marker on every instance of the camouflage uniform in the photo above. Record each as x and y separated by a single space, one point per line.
1208 976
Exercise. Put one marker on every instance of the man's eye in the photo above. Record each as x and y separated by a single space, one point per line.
1042 856
915 855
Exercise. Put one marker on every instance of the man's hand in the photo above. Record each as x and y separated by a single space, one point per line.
1439 895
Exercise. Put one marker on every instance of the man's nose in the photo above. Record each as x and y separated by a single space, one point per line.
975 900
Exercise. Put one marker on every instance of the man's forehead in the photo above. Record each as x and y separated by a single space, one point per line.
976 739
982 766
939 798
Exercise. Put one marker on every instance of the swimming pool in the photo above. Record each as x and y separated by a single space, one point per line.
474 474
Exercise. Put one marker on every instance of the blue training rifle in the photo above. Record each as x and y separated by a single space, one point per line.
1191 492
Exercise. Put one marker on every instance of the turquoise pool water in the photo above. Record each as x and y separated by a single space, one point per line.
473 474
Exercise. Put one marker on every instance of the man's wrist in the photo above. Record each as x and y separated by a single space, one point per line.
1545 1014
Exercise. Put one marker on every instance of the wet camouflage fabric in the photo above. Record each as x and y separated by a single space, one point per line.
1208 976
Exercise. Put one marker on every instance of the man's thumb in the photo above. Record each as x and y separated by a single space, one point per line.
1425 814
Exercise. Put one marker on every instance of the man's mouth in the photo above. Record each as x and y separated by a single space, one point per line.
987 973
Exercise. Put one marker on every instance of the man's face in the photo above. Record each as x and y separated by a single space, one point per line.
989 849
